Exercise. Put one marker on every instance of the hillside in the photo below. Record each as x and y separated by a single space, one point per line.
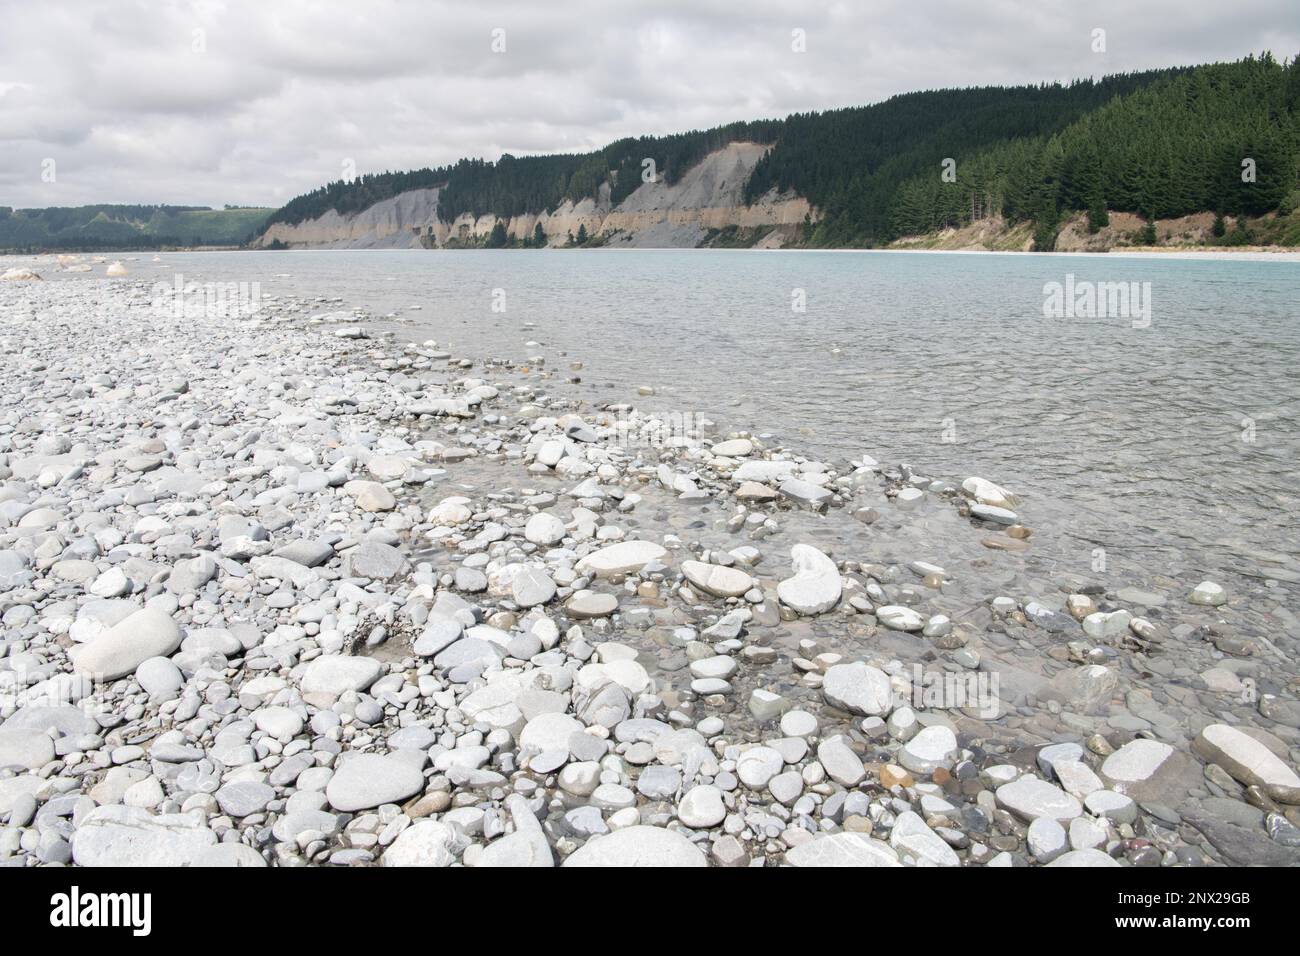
93 228
1159 145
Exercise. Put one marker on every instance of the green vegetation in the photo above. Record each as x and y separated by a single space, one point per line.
92 228
1179 144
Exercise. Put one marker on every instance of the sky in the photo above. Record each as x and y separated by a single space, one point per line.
252 102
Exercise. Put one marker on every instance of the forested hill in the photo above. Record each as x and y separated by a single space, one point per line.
1162 143
90 228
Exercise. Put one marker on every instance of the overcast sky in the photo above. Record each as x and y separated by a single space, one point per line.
256 101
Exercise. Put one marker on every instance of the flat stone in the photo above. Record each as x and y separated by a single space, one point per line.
1031 797
375 560
717 580
638 846
1150 771
328 677
243 798
899 618
118 835
844 849
583 605
622 558
362 781
1248 761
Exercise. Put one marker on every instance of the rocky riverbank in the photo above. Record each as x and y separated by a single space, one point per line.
287 590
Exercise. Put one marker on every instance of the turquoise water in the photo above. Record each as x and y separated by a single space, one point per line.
1169 445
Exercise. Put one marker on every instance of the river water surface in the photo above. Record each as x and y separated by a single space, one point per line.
1170 444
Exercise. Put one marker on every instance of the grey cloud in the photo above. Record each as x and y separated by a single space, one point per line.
281 93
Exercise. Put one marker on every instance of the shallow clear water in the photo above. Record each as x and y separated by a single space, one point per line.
1138 440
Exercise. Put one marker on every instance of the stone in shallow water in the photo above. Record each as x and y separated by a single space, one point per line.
638 846
735 448
717 580
932 748
757 765
858 688
911 835
658 782
987 493
588 604
816 585
1248 761
899 618
840 762
1208 594
1030 798
622 558
1084 858
1150 771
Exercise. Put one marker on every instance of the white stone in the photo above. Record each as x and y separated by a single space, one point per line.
1031 797
845 849
899 618
365 780
858 688
638 846
146 633
622 558
702 807
717 580
816 585
932 748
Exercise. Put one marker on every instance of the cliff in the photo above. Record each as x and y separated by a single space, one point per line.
706 201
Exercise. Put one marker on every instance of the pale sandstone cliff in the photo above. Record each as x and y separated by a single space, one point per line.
709 196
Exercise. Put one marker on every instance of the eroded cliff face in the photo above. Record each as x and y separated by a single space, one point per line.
710 196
